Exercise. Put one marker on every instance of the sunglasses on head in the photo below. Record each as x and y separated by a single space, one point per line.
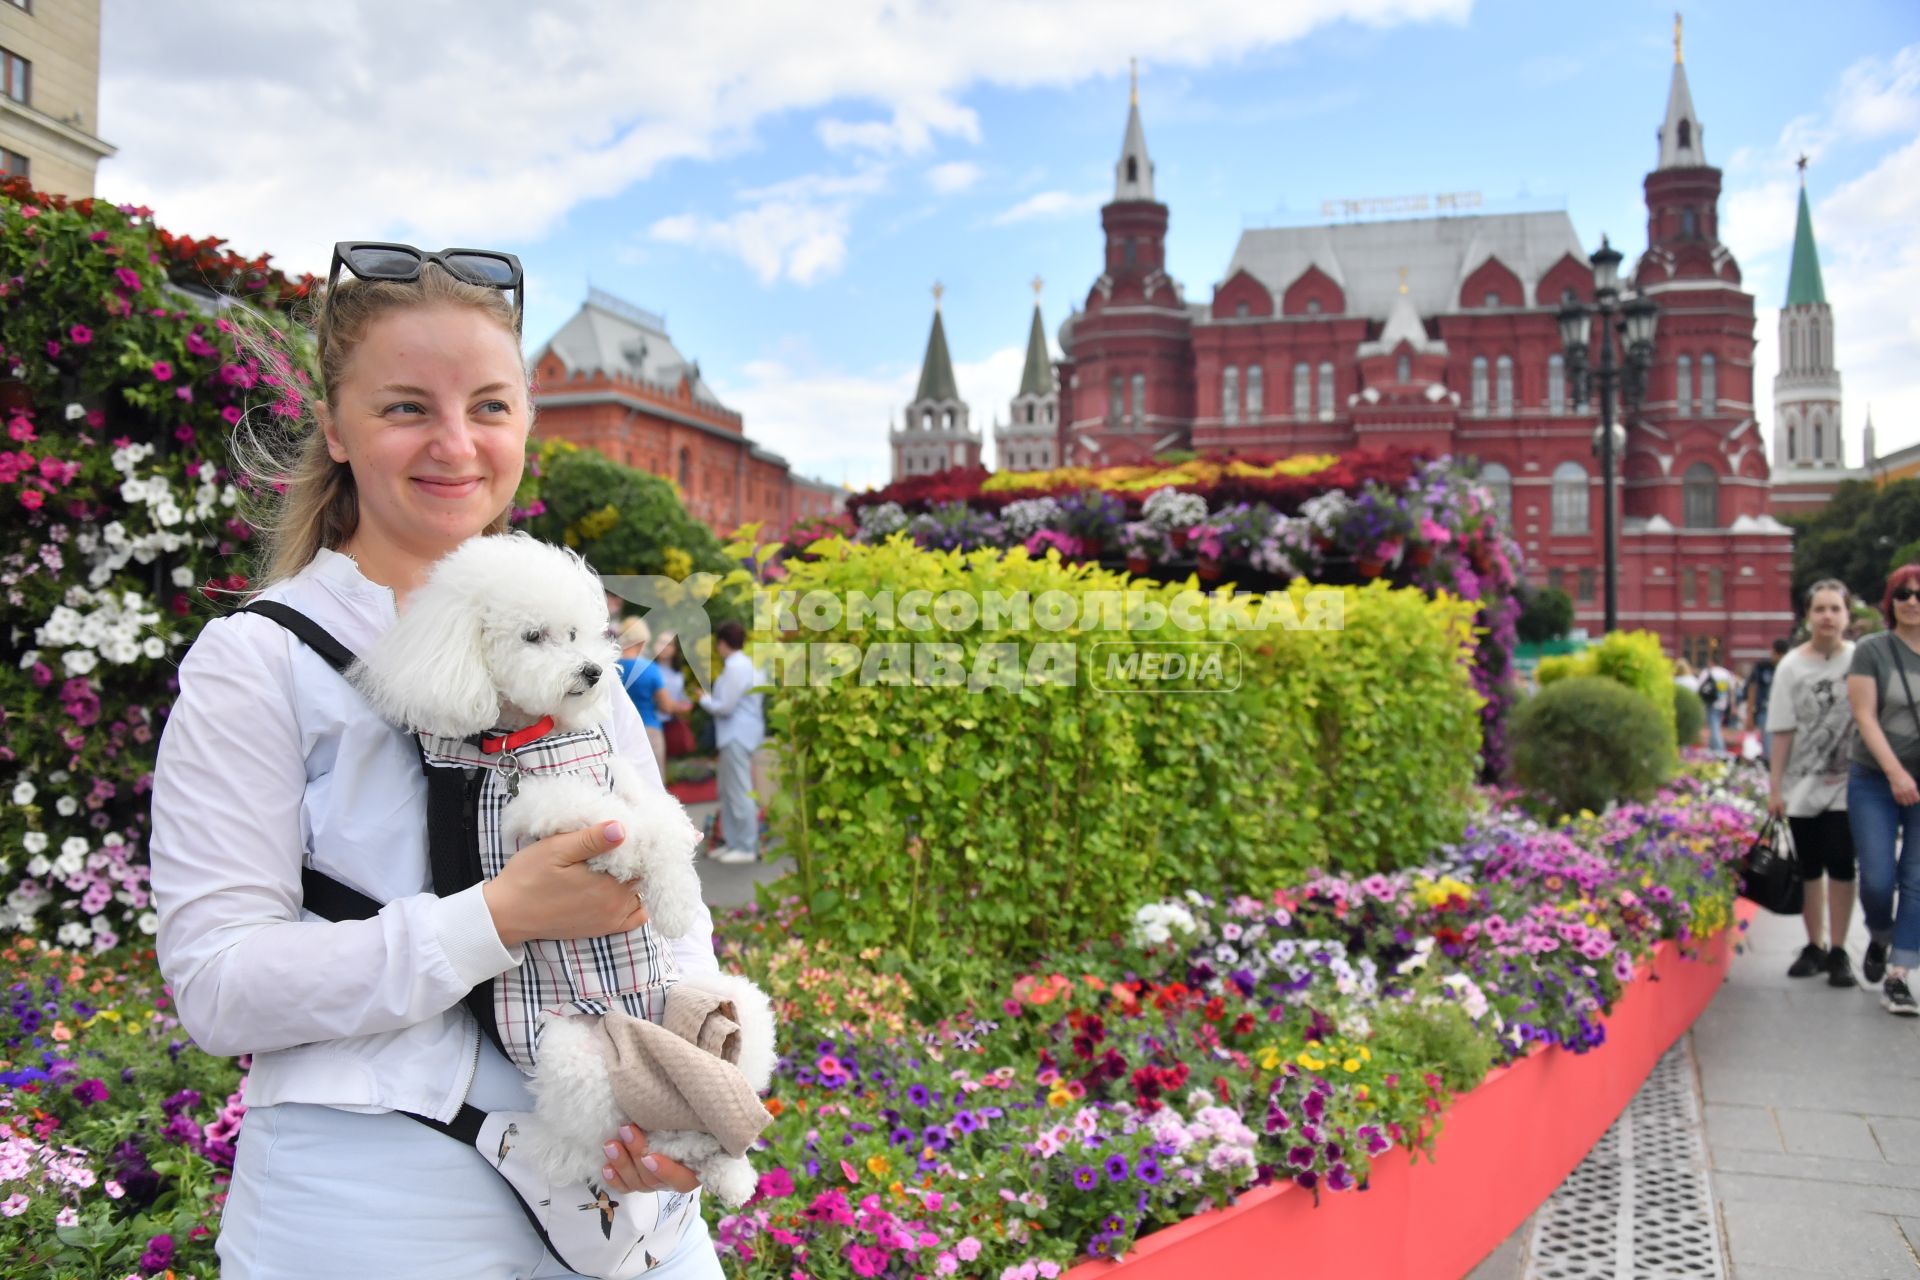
1904 594
402 264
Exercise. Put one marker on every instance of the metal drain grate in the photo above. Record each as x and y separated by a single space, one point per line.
1639 1207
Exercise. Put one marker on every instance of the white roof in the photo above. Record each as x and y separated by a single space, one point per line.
1366 258
1674 155
1403 325
619 339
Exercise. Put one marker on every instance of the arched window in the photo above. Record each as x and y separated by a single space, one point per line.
1403 370
1230 394
1126 249
926 419
1326 389
1793 441
1689 226
1556 384
1133 169
1139 398
1479 402
949 420
1256 394
1709 385
1116 390
1503 384
1686 134
686 470
1570 498
1313 306
1819 441
1499 482
1816 345
1683 385
1302 390
1700 506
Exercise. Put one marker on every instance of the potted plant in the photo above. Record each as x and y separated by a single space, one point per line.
1176 514
1142 543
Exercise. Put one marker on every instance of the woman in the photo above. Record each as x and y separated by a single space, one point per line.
679 734
270 760
645 683
1811 722
1883 803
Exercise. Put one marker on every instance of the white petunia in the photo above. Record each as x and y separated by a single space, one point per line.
74 934
66 807
183 576
78 661
38 865
154 647
34 842
23 793
149 922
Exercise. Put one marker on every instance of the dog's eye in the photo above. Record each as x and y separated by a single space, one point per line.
534 636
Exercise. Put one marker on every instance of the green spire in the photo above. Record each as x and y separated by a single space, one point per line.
1803 283
936 371
1037 378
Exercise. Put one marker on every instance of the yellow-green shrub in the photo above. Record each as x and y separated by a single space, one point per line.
1022 820
1562 666
1632 658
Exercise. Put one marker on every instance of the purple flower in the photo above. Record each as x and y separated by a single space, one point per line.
1116 1167
88 1092
1085 1178
1300 1157
159 1254
1150 1172
918 1095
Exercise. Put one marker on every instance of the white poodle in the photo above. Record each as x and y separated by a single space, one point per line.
511 634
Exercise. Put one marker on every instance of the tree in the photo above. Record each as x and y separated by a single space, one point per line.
1546 613
1861 534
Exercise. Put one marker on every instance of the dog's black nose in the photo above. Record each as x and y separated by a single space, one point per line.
591 673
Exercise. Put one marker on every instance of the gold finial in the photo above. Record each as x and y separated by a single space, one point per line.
1801 164
938 289
1403 279
1676 37
1038 284
1133 76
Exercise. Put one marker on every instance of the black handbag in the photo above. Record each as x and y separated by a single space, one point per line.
1770 874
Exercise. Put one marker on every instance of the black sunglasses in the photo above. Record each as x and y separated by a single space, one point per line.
402 264
1905 594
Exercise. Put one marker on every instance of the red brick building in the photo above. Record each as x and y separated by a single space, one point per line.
611 380
1440 333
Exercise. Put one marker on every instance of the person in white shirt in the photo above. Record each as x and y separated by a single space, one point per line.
739 727
271 762
1720 682
1812 726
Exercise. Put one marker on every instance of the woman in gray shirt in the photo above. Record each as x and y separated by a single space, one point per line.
1883 802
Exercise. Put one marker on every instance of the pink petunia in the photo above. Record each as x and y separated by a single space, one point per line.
162 371
129 278
32 499
230 415
80 335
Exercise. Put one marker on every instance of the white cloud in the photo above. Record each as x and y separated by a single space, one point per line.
796 228
1049 204
286 127
955 175
1870 262
833 425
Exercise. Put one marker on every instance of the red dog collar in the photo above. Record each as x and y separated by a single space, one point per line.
519 737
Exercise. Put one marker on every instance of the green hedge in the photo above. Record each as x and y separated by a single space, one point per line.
1631 658
1583 742
1023 820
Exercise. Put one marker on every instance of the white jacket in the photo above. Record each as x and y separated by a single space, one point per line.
270 760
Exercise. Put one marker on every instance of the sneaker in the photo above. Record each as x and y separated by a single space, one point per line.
735 857
1839 971
1813 959
1873 965
1897 999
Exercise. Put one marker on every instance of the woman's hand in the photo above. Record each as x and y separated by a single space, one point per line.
630 1167
547 891
1776 807
1904 790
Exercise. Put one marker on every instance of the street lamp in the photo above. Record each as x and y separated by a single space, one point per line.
1633 321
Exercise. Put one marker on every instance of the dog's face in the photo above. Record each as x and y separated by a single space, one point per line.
549 650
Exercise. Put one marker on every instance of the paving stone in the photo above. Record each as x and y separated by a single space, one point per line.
1812 1241
1827 1133
1808 1193
1731 1127
1774 1164
1899 1139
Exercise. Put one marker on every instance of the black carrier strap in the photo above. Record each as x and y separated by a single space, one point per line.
453 827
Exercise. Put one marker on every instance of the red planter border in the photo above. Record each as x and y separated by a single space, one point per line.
1502 1150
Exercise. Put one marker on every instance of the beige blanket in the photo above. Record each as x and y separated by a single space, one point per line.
680 1073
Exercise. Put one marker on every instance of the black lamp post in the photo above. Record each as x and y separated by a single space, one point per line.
1633 320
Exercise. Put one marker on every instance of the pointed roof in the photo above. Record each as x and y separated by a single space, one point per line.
1403 325
1682 141
1803 281
936 369
1036 379
1133 172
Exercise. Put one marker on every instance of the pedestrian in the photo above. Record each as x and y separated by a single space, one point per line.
271 763
1883 802
1716 694
739 727
673 679
645 684
1811 719
1759 690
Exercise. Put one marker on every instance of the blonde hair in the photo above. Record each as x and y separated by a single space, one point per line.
634 632
298 498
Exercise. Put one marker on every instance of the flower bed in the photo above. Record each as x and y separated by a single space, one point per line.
1260 522
1300 1038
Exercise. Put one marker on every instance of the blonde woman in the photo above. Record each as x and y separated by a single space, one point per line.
643 677
271 763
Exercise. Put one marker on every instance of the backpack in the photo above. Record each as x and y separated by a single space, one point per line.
1709 688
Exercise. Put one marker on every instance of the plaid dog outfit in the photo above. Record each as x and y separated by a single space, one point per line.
628 972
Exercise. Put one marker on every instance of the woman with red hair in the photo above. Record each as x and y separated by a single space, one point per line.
1883 802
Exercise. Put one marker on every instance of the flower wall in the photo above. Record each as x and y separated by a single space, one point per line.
1260 523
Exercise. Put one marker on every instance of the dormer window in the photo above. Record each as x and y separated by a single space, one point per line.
1686 134
1241 310
1313 306
1493 298
1133 166
1403 371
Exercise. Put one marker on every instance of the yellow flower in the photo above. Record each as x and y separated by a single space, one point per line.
1267 1056
1366 1054
1351 1065
878 1166
1059 1097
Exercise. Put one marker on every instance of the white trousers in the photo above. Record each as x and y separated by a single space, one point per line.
324 1193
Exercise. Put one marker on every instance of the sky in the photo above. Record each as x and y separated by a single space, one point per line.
786 182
